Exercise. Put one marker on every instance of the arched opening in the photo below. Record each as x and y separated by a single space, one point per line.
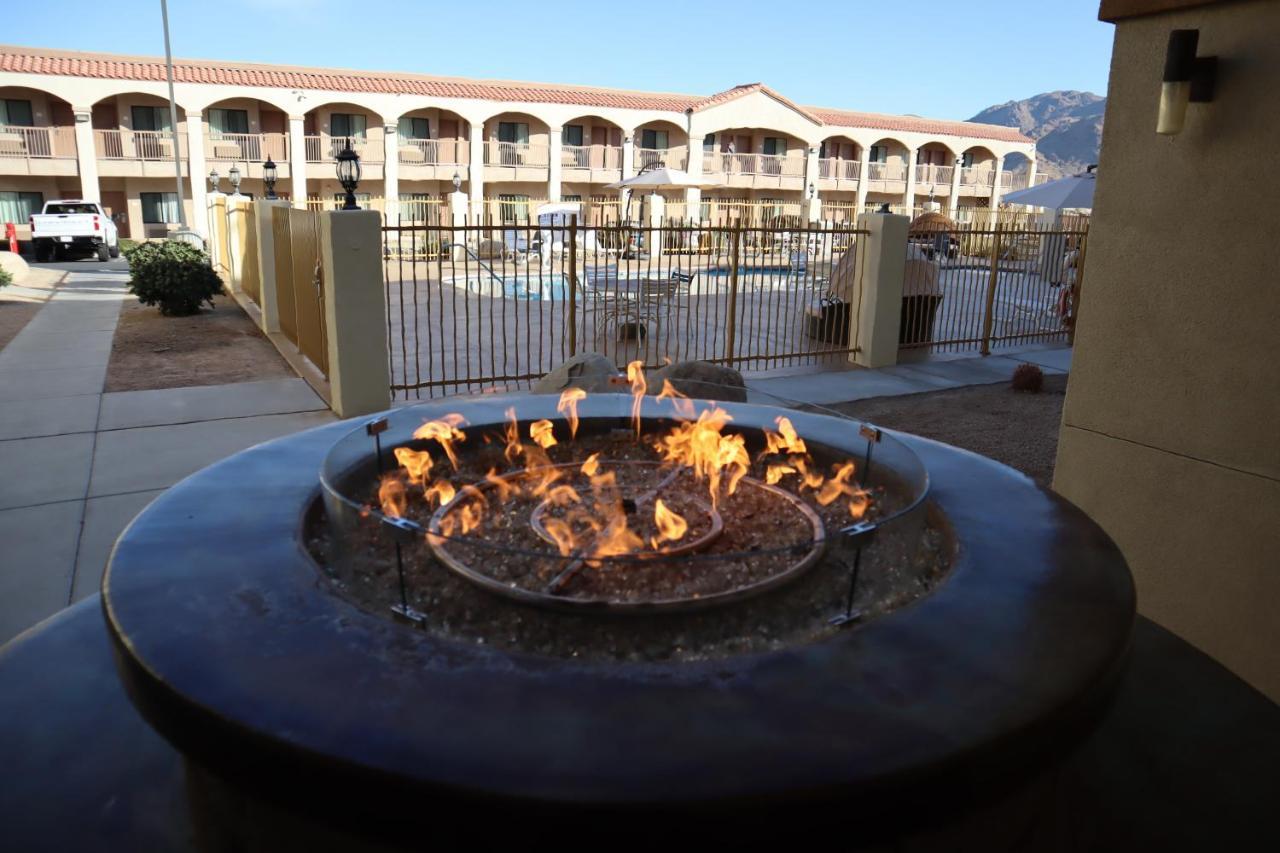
433 145
135 141
753 151
244 133
887 160
934 166
516 139
977 166
37 153
591 156
329 127
660 142
1017 171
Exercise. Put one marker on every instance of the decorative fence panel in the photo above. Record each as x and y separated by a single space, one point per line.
501 305
299 282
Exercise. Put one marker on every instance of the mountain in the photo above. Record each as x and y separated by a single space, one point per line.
1066 125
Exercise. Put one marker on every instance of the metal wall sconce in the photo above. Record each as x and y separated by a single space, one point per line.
1187 79
269 177
813 191
348 168
234 177
214 181
457 182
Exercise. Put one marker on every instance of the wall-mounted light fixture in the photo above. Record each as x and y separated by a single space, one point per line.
234 177
457 182
1187 78
348 169
214 180
269 174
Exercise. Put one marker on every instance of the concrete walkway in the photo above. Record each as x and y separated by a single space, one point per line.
916 377
77 464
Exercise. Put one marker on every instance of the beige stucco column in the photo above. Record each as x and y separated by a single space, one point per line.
812 206
995 185
297 162
693 195
355 312
953 201
475 171
864 169
268 295
196 171
391 172
87 154
1031 173
628 169
909 203
555 161
880 280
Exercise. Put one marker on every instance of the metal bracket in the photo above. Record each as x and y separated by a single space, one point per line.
871 433
408 614
860 530
404 529
377 426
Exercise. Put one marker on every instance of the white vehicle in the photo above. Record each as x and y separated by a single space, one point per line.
73 227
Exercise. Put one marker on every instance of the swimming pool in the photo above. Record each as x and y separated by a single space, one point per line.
531 287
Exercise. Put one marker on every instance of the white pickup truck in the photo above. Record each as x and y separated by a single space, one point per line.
73 227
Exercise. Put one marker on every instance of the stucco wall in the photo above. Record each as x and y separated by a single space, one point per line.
1171 430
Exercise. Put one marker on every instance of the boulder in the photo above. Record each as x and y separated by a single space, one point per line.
701 380
590 371
14 265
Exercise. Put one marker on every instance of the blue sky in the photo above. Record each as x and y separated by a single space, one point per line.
938 59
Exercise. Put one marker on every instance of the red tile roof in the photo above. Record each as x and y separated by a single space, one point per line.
26 60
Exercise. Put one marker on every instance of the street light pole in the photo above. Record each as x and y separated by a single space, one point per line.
173 118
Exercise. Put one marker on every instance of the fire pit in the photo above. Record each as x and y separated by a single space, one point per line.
575 609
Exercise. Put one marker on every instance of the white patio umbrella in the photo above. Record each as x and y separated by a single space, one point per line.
663 178
1073 191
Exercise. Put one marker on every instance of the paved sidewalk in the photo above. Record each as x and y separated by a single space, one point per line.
917 377
77 464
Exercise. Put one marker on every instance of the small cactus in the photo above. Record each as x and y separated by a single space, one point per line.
1028 377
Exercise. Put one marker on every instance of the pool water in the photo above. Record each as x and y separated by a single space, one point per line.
530 287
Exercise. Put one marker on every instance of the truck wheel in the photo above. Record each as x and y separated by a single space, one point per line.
44 253
103 252
115 250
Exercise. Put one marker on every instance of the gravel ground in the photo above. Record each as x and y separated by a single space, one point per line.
1017 428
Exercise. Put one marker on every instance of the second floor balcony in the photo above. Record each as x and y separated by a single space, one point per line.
37 150
768 171
246 147
836 174
594 163
674 157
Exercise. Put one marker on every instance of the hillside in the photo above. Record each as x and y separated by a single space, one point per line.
1066 125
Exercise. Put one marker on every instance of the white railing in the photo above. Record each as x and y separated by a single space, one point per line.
515 154
927 173
840 170
673 157
977 176
252 147
434 152
324 149
134 144
753 164
591 157
886 172
23 143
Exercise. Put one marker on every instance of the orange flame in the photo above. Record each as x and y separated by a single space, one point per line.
543 433
671 526
701 446
785 440
562 496
635 375
514 447
568 406
441 492
774 473
392 496
559 530
416 462
446 431
592 466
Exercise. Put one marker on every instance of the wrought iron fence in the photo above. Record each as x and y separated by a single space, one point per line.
499 305
975 288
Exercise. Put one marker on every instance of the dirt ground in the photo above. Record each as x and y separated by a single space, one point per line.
210 348
1017 428
17 310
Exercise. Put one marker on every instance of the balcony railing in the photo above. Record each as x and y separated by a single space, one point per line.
515 154
840 170
591 157
886 172
434 152
753 164
254 147
977 176
932 174
674 157
324 149
134 144
22 143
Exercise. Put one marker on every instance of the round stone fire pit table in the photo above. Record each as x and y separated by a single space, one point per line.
282 694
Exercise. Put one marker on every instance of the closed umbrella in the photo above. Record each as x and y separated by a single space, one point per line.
663 178
1075 191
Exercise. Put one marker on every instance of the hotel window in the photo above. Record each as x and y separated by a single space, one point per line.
966 160
512 131
159 208
347 125
17 206
15 112
227 121
879 153
513 208
775 145
572 134
653 139
150 118
571 198
417 207
709 144
415 128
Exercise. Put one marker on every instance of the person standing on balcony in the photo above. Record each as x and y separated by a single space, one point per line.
729 150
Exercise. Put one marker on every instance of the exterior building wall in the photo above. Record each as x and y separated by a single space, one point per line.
1169 436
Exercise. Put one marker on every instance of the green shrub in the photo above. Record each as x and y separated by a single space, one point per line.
1028 377
5 277
173 275
126 244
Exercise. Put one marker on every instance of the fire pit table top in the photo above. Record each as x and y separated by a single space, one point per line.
232 649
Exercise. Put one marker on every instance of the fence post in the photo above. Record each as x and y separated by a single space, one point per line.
731 325
218 233
1076 284
876 314
237 208
988 317
355 312
270 300
573 284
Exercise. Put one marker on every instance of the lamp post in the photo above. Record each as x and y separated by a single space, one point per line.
269 177
348 168
234 177
214 181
